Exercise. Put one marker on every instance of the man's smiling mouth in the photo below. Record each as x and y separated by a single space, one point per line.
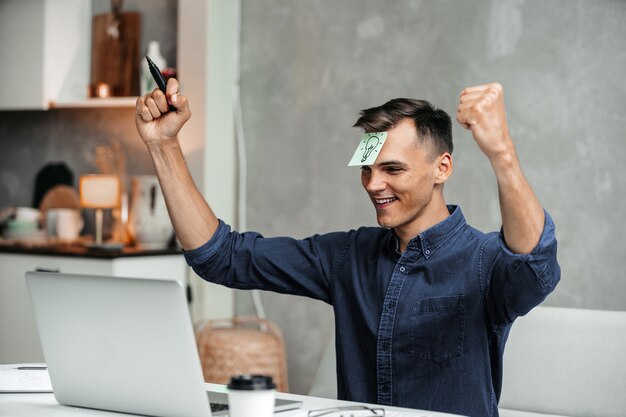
384 202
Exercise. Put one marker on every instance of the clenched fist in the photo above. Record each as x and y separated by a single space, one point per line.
155 122
481 110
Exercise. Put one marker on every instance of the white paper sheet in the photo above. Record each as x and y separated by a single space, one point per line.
24 377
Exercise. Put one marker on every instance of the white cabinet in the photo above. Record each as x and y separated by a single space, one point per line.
45 52
19 341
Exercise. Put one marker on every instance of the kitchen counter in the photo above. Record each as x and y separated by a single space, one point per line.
78 250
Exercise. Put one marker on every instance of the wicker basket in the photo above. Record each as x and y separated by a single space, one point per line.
241 345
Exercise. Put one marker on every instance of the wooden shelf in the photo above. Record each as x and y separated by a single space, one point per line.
96 103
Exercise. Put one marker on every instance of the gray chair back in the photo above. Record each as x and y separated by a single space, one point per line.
567 362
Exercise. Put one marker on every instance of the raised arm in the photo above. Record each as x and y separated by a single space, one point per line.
481 110
191 216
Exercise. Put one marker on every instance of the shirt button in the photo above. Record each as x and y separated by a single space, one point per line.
385 388
402 269
385 346
391 304
427 252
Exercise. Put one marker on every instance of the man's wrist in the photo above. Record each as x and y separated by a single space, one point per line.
505 156
163 146
166 154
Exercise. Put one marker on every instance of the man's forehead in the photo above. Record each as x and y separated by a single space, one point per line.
404 138
399 143
403 133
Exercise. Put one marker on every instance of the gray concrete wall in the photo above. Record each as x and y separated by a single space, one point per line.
308 67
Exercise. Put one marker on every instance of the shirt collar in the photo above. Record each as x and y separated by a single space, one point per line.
433 238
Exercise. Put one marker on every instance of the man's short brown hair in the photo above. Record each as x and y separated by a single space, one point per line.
432 124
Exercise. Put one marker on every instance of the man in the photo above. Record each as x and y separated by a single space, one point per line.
423 305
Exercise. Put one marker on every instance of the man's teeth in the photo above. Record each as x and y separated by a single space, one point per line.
385 200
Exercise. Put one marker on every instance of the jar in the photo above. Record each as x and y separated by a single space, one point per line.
149 223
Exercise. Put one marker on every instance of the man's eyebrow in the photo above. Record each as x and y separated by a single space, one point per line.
394 163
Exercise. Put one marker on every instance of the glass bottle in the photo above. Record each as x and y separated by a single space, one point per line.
154 52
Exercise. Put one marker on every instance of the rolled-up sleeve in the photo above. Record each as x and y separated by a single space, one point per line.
520 282
280 264
205 252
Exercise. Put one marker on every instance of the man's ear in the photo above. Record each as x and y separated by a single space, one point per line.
443 165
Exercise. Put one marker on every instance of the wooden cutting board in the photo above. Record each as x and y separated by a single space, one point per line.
115 55
60 196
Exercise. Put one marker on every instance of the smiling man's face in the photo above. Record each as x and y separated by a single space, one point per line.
405 183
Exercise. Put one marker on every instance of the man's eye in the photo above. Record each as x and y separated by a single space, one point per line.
392 169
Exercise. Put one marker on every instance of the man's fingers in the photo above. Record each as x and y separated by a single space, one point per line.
475 89
496 87
160 100
179 101
476 105
464 122
468 112
152 106
155 107
472 103
171 87
139 105
141 110
471 97
489 95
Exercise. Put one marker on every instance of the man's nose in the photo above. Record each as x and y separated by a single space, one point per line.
376 182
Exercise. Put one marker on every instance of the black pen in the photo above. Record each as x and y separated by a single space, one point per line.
158 77
31 368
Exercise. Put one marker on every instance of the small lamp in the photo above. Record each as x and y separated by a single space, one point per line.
99 191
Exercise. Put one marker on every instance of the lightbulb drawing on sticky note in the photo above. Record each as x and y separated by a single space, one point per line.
370 145
368 149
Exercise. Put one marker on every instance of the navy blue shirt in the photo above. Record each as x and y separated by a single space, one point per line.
423 329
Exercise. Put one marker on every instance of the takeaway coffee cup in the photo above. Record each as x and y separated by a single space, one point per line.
251 396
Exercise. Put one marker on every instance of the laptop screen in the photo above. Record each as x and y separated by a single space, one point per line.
121 344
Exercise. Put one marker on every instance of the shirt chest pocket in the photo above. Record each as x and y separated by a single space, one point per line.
437 326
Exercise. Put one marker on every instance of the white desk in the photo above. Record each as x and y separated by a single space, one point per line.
44 405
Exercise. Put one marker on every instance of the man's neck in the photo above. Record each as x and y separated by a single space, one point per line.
425 221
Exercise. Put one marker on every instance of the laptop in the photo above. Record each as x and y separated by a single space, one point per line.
122 344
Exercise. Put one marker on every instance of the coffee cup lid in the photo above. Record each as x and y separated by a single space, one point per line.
251 382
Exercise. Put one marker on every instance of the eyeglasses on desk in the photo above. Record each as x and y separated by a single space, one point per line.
347 411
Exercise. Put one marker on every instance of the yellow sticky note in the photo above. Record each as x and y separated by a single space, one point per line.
368 149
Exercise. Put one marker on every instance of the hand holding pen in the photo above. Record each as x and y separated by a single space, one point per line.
158 77
155 122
